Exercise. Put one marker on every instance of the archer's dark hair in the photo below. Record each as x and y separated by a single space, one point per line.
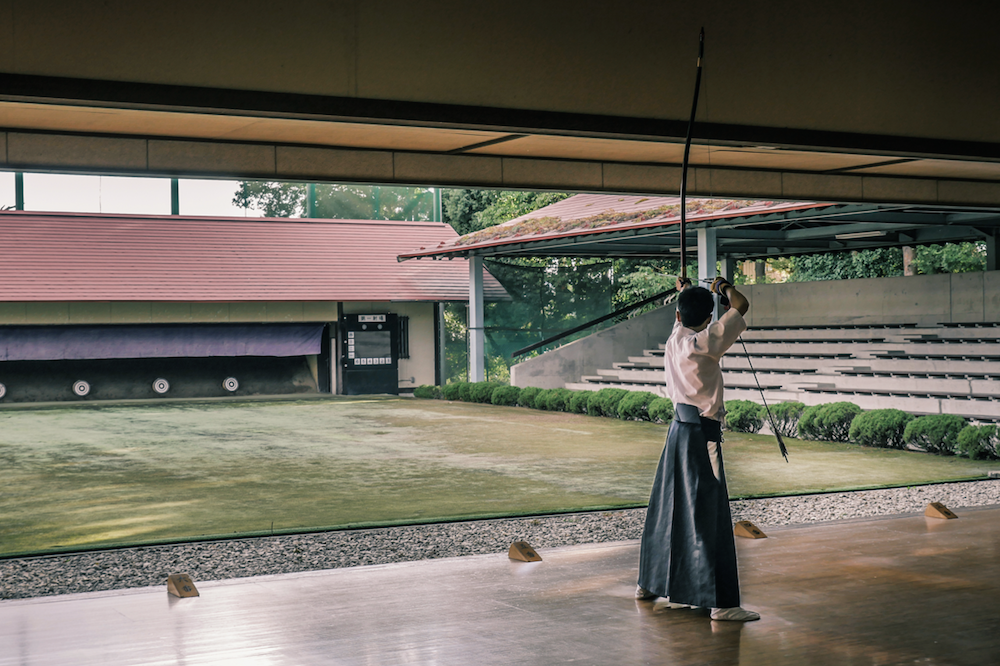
695 305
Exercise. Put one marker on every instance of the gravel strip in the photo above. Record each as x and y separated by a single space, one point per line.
239 558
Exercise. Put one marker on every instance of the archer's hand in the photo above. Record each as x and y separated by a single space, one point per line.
719 286
683 283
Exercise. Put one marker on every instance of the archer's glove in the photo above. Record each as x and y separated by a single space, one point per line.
719 286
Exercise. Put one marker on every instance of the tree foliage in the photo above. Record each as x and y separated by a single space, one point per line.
888 262
950 258
881 262
342 202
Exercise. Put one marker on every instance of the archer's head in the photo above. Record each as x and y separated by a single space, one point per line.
694 307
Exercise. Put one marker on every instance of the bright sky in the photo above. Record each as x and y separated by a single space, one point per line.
117 194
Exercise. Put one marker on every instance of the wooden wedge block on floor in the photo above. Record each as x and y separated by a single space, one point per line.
181 585
748 530
938 510
522 551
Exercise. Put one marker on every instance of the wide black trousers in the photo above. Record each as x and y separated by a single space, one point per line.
688 551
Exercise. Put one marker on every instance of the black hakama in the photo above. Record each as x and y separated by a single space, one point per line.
688 551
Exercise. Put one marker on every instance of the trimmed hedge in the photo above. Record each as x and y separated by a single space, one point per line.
880 428
578 402
744 416
451 391
483 391
506 395
558 400
830 422
936 433
465 391
635 406
661 410
541 399
786 417
527 397
605 402
979 442
427 392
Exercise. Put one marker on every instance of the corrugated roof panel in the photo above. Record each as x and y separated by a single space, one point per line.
87 257
587 214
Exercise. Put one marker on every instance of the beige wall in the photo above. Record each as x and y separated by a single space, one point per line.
419 368
919 299
414 371
44 313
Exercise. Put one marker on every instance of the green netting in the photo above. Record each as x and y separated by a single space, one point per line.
547 298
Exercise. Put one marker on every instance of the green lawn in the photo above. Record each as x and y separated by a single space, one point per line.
84 476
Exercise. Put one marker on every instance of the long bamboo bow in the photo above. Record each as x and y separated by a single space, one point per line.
684 171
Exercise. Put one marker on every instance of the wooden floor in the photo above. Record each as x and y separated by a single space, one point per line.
908 590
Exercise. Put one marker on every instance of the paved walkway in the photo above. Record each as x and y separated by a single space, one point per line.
899 590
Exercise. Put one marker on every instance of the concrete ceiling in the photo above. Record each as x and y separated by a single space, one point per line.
890 102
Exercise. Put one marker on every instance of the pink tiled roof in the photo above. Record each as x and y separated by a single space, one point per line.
585 214
92 257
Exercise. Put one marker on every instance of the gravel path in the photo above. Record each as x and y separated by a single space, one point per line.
216 560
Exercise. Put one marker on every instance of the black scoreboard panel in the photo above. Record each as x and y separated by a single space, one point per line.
370 353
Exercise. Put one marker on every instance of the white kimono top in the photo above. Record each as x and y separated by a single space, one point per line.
691 363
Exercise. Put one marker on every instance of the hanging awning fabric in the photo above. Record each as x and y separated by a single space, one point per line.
53 343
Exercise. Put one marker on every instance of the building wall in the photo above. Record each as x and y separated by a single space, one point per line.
414 371
918 299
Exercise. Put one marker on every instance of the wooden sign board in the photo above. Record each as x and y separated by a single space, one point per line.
181 585
938 510
522 551
748 530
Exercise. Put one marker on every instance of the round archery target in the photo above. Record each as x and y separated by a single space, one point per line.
81 388
161 386
3 390
230 384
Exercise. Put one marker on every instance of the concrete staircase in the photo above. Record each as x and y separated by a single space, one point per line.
938 369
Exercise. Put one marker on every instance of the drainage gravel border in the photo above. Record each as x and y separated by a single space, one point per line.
146 566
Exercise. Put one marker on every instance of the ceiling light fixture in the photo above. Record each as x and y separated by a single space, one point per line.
860 234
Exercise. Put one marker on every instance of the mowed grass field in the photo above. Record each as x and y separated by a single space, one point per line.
85 476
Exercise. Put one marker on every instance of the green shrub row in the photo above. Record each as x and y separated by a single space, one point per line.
943 434
611 402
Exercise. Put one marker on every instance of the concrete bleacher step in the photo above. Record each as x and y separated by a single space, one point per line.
936 348
870 366
919 369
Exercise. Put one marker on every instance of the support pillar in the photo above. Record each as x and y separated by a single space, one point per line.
175 196
707 255
707 259
310 199
477 338
18 191
728 267
991 252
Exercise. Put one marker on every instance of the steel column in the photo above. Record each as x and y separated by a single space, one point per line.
477 340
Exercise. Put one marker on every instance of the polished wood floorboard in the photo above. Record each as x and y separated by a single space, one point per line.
905 590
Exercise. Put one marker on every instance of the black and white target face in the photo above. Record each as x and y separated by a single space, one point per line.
161 386
81 388
3 390
230 384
